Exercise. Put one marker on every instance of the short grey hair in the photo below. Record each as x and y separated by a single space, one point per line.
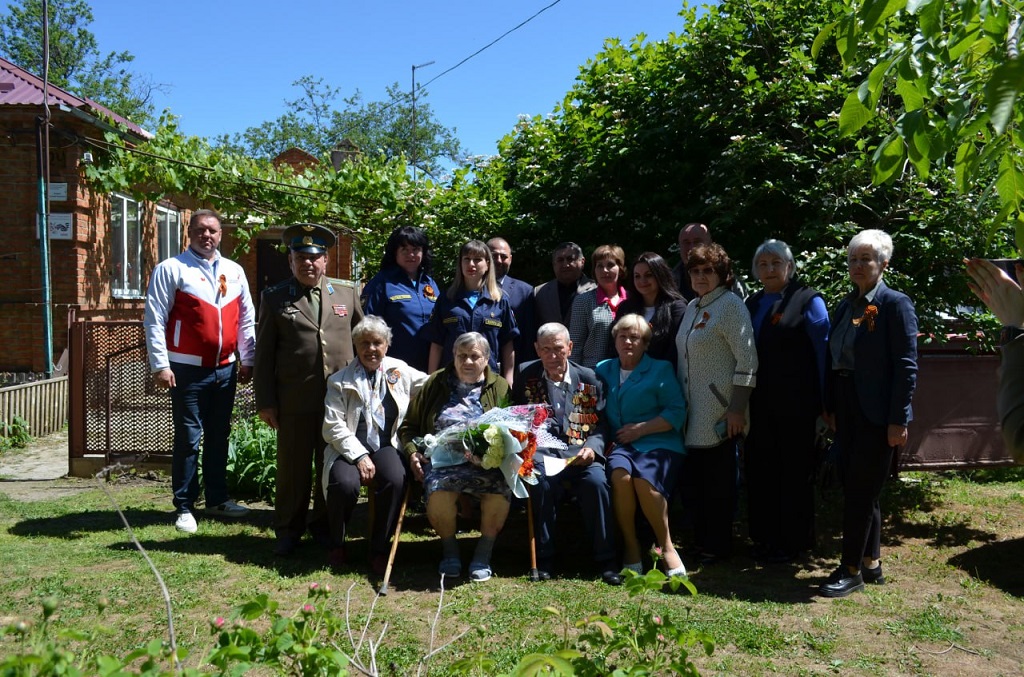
473 339
374 326
879 241
577 251
775 248
552 329
633 321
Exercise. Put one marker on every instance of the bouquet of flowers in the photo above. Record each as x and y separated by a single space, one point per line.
504 437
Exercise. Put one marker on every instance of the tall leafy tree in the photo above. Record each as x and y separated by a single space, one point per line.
945 78
319 119
734 122
76 63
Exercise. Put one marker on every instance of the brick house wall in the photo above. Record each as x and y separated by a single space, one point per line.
81 268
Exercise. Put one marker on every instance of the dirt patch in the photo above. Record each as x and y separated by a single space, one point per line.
39 471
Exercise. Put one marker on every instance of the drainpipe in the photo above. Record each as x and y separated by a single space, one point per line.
42 153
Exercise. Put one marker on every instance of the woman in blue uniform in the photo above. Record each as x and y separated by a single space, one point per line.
474 302
404 293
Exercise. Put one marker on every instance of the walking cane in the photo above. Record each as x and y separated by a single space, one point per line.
534 574
394 544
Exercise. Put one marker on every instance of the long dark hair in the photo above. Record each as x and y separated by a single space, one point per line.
414 237
667 293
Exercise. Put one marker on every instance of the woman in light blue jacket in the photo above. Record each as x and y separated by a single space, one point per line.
645 413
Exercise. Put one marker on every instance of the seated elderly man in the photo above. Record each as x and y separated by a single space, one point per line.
573 392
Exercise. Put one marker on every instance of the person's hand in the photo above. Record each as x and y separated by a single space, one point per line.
585 457
366 470
629 433
829 419
164 378
735 422
244 374
269 416
998 291
897 435
416 465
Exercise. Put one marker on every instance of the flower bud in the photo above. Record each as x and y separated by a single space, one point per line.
308 609
49 606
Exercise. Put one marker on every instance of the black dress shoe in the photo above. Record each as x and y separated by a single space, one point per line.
873 576
286 545
542 575
611 577
841 583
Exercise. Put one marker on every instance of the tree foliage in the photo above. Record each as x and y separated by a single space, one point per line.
733 122
944 77
313 122
365 198
76 63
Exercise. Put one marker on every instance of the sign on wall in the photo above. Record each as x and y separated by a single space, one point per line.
60 226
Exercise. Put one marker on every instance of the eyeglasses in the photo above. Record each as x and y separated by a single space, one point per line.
702 272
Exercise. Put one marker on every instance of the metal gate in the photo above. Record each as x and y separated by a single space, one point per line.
117 414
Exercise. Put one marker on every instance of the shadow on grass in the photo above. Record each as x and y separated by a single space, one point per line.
997 564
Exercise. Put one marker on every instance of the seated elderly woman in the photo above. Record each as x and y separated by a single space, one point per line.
645 413
366 402
456 394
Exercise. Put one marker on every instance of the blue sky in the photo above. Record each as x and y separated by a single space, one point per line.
229 64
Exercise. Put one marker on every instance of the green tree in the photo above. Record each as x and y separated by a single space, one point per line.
734 122
76 63
314 122
944 77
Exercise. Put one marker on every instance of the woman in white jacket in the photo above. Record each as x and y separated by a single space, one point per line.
366 402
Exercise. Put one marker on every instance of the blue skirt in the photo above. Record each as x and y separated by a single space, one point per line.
659 467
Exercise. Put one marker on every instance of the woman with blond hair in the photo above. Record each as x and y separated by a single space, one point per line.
474 303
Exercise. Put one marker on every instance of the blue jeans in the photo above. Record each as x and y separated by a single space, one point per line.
201 403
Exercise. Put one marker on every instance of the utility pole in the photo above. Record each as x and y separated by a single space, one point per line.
415 143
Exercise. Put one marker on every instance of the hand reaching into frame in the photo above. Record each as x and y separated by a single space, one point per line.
1000 293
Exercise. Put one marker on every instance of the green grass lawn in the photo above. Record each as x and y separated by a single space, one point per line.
952 550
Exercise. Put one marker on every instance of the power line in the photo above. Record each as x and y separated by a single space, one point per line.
406 97
492 43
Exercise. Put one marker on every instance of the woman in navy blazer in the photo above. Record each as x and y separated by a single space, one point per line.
873 352
645 411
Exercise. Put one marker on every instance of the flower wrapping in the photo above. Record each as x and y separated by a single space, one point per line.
504 438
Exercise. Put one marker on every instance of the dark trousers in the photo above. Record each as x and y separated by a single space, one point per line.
590 486
201 404
300 460
865 462
714 502
779 464
388 487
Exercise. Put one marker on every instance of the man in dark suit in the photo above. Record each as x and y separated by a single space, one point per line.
554 298
573 393
520 297
304 336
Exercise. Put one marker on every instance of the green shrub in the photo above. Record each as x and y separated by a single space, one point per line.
14 435
252 459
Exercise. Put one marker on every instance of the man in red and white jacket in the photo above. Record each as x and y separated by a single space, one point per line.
199 313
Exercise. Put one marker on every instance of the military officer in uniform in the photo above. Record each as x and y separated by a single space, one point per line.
304 335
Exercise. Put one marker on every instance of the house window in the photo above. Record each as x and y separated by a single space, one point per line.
168 232
125 247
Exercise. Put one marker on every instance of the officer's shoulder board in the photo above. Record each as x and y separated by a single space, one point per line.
280 286
338 282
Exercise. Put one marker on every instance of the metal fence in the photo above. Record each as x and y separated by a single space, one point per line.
42 404
117 413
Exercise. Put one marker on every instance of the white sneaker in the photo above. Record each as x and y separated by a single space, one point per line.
227 509
186 522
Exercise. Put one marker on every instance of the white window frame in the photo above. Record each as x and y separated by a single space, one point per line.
168 234
125 259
